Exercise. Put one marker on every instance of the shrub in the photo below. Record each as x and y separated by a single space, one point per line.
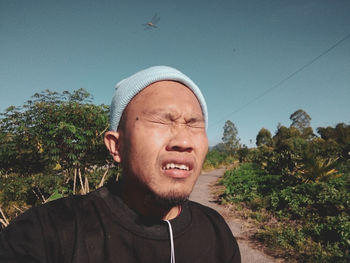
314 217
241 184
215 159
249 182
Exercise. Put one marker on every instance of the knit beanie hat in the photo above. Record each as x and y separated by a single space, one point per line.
126 89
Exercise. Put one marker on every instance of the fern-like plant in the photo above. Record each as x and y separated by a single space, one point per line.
316 168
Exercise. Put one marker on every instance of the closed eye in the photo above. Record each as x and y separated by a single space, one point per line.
158 119
166 118
161 122
195 123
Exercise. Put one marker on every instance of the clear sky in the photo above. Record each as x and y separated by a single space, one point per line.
256 61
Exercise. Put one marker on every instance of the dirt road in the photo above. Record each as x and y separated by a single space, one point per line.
202 194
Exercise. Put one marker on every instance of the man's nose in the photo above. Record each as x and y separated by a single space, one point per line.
180 140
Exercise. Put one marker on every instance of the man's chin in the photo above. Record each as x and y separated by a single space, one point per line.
170 200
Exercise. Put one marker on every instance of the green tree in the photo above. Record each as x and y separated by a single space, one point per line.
284 159
264 137
337 137
57 138
284 135
230 138
220 147
300 120
243 153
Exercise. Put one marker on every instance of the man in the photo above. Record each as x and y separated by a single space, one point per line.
158 135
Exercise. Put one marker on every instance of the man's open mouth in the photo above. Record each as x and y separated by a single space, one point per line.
176 166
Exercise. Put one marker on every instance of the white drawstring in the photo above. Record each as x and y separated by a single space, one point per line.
172 256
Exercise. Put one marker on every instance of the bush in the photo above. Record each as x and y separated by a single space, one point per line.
19 193
249 182
215 159
315 217
241 184
296 246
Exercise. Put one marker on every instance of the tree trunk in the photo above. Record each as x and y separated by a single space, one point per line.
81 182
4 220
86 184
75 180
103 178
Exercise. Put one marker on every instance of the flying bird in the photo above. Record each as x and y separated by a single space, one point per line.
152 23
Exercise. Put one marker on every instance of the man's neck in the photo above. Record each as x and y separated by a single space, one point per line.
173 213
144 204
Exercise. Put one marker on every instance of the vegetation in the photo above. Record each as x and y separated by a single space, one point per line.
297 186
230 138
295 183
52 146
227 152
313 219
264 137
214 159
300 120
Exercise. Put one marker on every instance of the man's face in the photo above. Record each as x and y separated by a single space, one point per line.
163 140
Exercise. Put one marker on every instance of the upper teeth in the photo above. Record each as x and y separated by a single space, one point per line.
176 166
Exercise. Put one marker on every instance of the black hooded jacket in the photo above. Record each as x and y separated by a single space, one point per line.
99 227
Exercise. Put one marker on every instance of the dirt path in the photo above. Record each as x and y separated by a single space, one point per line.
202 194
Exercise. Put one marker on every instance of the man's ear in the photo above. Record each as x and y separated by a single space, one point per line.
112 143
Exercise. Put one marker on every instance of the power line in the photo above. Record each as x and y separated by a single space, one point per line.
283 80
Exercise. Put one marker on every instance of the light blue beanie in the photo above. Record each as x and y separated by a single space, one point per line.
126 89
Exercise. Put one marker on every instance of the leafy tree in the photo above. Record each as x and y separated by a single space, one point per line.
300 120
243 153
284 158
54 141
308 133
284 135
338 137
230 138
220 147
264 138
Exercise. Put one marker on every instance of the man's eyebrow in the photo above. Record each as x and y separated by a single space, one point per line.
198 118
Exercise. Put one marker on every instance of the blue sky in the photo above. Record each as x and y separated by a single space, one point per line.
236 51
